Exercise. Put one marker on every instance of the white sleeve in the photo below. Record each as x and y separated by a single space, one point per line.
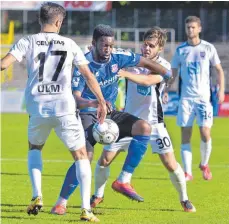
79 58
175 60
19 49
214 58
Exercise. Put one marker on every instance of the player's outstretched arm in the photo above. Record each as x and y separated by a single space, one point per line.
93 84
154 67
145 80
220 79
7 61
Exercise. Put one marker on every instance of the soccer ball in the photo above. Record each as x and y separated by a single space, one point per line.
105 133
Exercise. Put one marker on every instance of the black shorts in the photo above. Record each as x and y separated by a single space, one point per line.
124 121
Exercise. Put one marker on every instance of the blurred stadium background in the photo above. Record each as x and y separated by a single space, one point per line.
130 20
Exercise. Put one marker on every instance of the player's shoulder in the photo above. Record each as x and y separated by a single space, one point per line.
208 46
117 52
163 62
181 46
88 56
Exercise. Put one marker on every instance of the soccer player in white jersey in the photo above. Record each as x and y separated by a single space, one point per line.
144 101
193 59
50 103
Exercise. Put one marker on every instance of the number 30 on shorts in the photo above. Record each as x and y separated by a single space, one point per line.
163 142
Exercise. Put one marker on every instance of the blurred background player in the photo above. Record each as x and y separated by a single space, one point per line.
49 100
194 59
105 65
144 101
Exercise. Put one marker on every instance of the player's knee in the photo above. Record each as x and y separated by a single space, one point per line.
104 162
141 127
186 135
79 153
90 156
33 147
89 147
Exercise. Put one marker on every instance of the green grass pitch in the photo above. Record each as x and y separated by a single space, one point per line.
161 206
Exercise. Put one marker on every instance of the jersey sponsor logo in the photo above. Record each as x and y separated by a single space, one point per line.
49 88
75 81
202 54
109 81
144 90
114 68
46 43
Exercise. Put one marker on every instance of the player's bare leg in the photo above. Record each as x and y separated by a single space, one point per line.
205 150
186 152
102 172
177 178
35 173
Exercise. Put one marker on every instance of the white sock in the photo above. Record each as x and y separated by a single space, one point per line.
83 175
186 155
205 150
62 201
101 175
125 177
178 180
35 169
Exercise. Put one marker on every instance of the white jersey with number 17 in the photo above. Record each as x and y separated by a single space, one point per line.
49 58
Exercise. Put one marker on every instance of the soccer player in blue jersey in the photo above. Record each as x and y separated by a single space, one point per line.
143 99
105 64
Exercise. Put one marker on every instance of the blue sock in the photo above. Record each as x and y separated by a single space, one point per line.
136 151
70 183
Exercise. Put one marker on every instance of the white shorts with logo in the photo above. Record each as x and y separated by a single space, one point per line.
159 140
188 109
68 128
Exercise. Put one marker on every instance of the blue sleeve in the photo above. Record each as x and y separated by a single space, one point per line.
78 82
127 59
175 60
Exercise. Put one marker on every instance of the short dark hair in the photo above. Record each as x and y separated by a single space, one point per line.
156 32
193 19
49 11
102 30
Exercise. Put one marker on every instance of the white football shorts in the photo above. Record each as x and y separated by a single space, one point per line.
68 128
188 109
160 141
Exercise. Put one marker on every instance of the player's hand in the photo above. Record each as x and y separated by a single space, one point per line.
167 76
109 107
94 103
165 98
89 47
122 73
101 111
221 96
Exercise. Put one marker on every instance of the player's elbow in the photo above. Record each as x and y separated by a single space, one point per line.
3 66
153 80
